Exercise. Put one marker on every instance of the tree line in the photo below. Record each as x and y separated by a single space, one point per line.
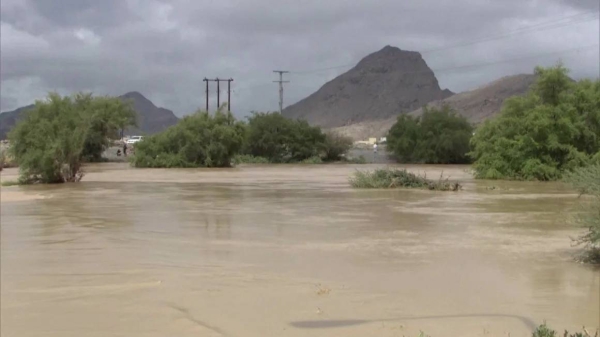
60 134
552 130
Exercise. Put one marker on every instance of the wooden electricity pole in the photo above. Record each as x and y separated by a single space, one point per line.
219 80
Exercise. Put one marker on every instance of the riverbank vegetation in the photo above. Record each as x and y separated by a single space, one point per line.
553 129
59 134
439 136
198 140
6 161
587 181
282 140
545 331
225 141
399 178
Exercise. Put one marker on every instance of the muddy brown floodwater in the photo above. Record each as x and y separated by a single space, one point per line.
287 251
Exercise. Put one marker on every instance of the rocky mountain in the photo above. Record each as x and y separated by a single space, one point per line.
383 84
477 105
150 118
10 118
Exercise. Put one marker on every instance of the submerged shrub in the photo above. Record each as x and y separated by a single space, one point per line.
58 134
399 178
439 136
545 331
587 181
282 140
357 160
198 140
249 159
312 160
554 129
336 146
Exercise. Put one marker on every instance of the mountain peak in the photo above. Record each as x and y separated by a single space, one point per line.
150 119
385 83
135 95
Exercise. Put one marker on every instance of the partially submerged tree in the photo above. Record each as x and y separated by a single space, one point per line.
553 129
439 136
282 140
198 140
108 116
587 181
336 145
59 133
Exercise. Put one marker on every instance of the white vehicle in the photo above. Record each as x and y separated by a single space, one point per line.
134 139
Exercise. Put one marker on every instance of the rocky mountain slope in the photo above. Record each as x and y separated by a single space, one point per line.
477 105
10 118
383 84
150 118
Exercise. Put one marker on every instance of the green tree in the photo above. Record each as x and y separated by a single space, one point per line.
336 145
282 140
587 181
553 129
439 136
50 143
269 136
305 141
198 140
107 117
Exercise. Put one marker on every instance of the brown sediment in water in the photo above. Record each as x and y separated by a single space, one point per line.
289 251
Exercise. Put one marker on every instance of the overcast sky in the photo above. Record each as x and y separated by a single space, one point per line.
164 48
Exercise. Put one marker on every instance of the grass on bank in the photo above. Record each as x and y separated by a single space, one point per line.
587 181
9 183
545 331
400 178
250 159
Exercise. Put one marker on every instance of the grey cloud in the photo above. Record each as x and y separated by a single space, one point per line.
163 48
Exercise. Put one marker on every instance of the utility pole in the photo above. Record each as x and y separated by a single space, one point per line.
206 80
229 94
281 81
219 80
218 92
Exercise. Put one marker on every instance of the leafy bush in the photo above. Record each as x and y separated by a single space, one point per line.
553 129
249 159
6 160
357 160
281 140
54 138
587 181
439 136
312 160
108 116
336 145
544 331
395 178
198 140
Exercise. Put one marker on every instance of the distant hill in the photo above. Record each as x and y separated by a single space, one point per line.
10 118
383 84
477 105
150 118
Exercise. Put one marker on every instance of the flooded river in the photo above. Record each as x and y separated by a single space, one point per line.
287 251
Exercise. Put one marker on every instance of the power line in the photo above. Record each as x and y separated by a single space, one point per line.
476 65
281 81
537 27
453 68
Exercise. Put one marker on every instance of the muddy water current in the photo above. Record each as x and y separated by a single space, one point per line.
288 251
